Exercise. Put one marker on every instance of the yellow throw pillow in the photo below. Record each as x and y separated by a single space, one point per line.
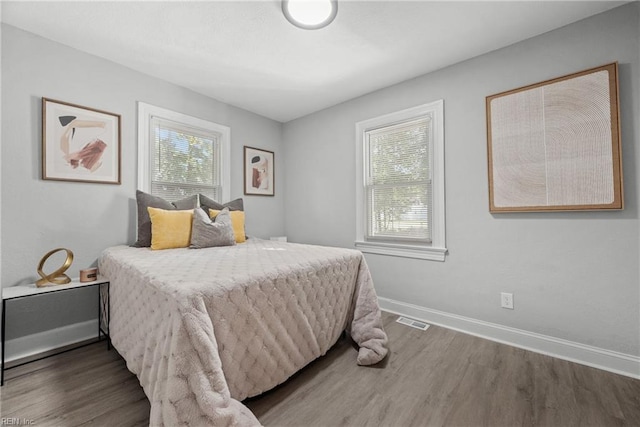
237 223
170 229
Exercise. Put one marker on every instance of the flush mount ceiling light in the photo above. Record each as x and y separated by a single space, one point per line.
310 14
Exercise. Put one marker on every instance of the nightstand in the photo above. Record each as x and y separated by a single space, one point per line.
13 293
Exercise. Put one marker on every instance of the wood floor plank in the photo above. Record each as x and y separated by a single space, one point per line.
437 377
73 388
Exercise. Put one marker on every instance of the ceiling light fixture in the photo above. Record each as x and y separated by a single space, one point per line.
310 14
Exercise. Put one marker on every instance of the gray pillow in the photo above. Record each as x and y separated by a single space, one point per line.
146 200
206 233
206 203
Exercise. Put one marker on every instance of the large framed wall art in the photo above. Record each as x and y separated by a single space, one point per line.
79 143
555 145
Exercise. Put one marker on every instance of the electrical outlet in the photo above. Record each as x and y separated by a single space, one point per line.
506 300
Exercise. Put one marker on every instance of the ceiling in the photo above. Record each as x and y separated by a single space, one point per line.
246 54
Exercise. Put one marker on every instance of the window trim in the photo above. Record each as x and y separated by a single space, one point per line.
437 250
147 111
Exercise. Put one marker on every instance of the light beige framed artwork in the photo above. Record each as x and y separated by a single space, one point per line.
555 145
79 143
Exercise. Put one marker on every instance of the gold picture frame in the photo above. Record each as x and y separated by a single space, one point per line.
555 145
80 143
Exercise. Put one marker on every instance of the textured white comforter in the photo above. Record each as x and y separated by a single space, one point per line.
205 328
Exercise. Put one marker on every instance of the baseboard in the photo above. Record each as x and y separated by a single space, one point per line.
42 342
595 357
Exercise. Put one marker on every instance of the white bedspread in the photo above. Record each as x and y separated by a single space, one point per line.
204 329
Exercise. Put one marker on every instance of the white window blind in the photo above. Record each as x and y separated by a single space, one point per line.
184 160
398 182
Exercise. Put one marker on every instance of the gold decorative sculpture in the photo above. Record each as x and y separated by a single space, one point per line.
57 277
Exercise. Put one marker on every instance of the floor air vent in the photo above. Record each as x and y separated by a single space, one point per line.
413 323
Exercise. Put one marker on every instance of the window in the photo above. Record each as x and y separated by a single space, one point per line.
400 183
180 155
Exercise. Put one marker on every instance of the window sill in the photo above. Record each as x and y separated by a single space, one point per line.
404 251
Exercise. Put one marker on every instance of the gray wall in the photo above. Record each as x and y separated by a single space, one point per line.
574 275
41 215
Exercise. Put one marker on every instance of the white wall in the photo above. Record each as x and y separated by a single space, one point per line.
574 275
41 215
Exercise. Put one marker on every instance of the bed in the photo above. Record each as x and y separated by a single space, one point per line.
204 329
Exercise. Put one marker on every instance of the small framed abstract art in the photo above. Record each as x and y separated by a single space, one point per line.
258 172
79 143
555 145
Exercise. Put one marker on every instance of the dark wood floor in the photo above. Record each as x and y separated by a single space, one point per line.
434 378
